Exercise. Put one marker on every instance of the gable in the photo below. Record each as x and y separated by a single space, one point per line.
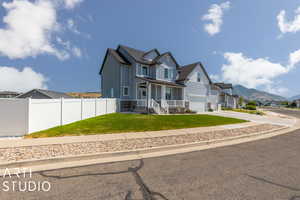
167 59
151 55
193 76
116 55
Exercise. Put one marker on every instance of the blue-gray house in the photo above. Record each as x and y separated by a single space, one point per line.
150 79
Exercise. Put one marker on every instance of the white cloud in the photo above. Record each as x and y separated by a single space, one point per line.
286 26
76 52
70 4
215 77
13 79
260 72
71 48
215 15
72 26
250 72
294 58
29 27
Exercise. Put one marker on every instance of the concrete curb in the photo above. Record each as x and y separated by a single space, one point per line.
83 160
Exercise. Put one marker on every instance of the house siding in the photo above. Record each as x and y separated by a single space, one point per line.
127 80
195 88
167 62
111 77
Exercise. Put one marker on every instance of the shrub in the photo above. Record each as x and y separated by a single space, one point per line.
250 107
190 111
251 103
210 110
224 108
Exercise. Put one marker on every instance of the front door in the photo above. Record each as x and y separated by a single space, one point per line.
142 92
168 93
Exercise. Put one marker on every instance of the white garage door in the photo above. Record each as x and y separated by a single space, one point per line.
197 103
197 106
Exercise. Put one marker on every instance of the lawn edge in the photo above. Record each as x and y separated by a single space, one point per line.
90 159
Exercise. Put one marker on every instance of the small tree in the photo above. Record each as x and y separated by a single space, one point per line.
241 101
251 105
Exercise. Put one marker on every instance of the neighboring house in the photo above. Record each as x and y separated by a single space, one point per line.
298 103
149 79
227 99
8 94
43 94
85 95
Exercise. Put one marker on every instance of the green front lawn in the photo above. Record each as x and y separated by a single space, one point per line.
118 122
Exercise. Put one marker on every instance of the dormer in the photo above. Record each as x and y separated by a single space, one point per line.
151 55
166 67
167 59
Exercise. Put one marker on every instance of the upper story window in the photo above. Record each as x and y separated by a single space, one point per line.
144 70
198 77
166 73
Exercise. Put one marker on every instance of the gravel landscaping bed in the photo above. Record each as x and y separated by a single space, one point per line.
59 150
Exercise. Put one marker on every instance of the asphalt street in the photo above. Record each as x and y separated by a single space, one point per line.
266 169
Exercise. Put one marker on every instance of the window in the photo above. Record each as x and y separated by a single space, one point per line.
125 91
166 73
198 77
144 70
168 93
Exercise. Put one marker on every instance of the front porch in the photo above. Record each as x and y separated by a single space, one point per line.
157 97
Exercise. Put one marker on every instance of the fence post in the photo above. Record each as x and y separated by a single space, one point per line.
61 110
81 108
95 107
106 106
28 116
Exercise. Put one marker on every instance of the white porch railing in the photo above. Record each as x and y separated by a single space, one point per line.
175 103
165 106
141 102
156 107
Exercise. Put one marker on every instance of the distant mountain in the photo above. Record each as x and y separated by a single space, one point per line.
294 98
253 94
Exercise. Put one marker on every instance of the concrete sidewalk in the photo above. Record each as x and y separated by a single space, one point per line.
10 143
269 118
114 147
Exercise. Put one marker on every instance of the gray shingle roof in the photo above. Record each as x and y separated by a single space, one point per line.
9 93
187 69
160 82
119 57
136 54
48 93
224 85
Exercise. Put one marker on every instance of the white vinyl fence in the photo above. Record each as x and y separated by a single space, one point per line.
19 117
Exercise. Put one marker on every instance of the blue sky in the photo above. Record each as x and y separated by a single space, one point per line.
61 45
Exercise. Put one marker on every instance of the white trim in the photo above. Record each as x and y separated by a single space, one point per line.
197 95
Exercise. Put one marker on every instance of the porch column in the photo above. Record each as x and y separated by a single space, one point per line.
183 94
163 92
149 95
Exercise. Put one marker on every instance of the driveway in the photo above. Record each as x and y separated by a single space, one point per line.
266 169
271 117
